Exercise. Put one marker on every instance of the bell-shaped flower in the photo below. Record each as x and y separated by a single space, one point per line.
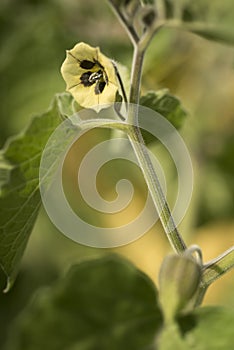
90 76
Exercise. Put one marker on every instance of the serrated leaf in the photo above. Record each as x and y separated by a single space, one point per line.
100 304
20 198
167 105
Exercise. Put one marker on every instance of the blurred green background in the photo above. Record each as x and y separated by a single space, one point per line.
34 35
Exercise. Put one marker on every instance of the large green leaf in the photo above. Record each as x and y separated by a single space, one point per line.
108 304
100 304
19 179
210 19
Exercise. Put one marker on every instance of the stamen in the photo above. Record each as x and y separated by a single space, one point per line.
95 76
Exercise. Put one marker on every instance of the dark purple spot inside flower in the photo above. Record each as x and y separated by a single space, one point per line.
99 87
85 64
85 79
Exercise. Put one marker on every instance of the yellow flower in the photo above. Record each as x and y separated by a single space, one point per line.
90 76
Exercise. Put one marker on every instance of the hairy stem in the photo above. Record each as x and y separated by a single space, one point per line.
144 160
134 133
155 189
137 66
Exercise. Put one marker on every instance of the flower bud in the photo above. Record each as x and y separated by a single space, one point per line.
149 17
179 278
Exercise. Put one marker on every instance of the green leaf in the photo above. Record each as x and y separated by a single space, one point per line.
211 32
167 105
19 193
212 22
208 328
205 329
100 304
66 103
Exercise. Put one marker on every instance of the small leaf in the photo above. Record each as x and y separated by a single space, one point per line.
19 192
149 16
167 105
66 103
100 304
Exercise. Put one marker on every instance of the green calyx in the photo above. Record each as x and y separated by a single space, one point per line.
179 278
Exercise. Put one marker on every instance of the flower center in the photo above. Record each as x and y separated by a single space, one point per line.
99 78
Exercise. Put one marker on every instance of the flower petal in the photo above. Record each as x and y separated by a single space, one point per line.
90 76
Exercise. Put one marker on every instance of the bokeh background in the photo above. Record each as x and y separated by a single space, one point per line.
34 35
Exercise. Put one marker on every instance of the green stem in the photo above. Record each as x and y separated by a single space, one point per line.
134 133
213 270
137 142
137 66
102 123
155 189
218 266
128 26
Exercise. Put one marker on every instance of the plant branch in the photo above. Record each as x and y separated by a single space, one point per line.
102 123
137 66
213 270
155 189
137 142
134 133
218 266
128 27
